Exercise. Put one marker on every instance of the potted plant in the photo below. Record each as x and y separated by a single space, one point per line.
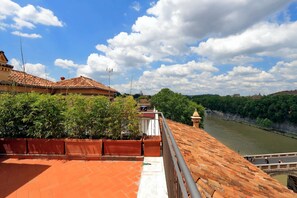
152 146
123 129
46 146
13 146
84 122
83 148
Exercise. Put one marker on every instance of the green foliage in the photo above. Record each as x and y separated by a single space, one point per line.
265 123
45 116
124 116
176 106
276 108
46 113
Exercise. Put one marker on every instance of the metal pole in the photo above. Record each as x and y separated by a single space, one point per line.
109 70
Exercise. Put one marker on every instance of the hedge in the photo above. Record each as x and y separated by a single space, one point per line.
33 115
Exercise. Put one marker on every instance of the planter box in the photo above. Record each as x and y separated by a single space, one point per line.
122 147
151 146
46 146
83 147
13 146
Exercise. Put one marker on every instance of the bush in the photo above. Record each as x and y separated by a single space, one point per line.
75 116
265 123
123 118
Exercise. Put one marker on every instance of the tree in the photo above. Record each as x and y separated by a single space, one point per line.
175 106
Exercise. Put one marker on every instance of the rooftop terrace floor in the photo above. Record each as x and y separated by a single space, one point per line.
73 178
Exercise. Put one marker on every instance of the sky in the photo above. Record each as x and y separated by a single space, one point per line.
195 47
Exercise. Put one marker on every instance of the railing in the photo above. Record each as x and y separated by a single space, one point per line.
291 154
178 177
277 166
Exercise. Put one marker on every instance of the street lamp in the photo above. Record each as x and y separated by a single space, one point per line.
109 70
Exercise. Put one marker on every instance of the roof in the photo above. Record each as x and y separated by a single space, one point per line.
219 171
81 82
23 78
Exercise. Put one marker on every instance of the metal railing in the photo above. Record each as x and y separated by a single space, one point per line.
290 154
277 166
178 177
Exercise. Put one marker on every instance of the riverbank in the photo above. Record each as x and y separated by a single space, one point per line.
285 129
248 140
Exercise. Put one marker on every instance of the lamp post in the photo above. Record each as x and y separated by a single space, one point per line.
109 70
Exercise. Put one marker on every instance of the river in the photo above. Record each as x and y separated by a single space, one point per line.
246 139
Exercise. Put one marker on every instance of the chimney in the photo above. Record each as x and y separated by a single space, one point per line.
196 119
62 78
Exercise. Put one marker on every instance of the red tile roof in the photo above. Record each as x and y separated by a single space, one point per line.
220 172
82 82
23 78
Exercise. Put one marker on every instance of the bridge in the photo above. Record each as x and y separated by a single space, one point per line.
275 163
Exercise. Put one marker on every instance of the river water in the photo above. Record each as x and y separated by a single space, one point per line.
246 139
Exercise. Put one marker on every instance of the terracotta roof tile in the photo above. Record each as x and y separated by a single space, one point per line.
221 172
28 79
82 82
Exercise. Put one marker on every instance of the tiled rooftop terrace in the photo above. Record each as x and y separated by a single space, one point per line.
74 178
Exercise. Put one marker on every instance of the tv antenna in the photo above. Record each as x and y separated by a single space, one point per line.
23 64
109 70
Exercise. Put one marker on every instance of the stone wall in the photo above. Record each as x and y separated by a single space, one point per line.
292 183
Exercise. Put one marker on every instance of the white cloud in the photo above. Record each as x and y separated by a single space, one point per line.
170 27
263 39
33 36
136 6
20 23
178 77
39 15
230 31
96 67
66 64
25 17
246 80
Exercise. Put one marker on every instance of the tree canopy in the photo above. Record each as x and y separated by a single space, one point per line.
176 107
277 108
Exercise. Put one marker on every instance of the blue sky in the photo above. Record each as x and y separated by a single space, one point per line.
191 47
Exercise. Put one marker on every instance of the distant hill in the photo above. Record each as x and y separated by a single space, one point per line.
292 92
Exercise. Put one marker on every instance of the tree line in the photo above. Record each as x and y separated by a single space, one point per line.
266 109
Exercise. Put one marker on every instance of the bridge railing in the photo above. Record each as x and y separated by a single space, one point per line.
277 166
178 177
291 154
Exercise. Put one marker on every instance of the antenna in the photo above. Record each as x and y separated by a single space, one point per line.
23 63
109 70
22 55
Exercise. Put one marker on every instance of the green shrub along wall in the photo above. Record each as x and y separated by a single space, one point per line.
35 115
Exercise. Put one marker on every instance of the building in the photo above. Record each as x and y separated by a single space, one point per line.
22 82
